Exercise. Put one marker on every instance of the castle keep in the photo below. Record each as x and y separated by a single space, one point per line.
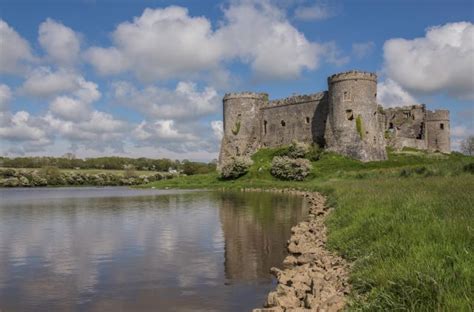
345 119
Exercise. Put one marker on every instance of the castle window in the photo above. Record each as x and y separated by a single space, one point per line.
390 125
441 126
265 127
346 96
283 123
307 120
375 95
349 114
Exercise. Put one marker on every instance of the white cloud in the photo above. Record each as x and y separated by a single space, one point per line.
169 43
391 94
363 49
162 130
321 10
160 44
60 42
43 82
21 126
217 128
185 102
14 50
69 108
442 61
5 97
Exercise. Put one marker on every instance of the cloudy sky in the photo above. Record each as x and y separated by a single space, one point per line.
145 78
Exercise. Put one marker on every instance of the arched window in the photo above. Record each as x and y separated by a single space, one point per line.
283 123
265 127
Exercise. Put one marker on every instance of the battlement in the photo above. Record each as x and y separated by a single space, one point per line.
405 108
246 95
439 114
352 75
297 99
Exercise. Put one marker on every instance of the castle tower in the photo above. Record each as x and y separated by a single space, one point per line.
437 133
353 127
242 116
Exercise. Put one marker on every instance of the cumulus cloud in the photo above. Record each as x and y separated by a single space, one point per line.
69 108
186 101
363 49
5 97
14 50
169 43
391 94
217 128
43 82
441 61
60 42
320 10
21 127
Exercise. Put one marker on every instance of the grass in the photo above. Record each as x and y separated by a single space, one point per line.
407 224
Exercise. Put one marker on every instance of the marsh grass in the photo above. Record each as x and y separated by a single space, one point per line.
407 224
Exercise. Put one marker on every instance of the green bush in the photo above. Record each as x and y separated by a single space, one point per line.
469 168
235 167
286 168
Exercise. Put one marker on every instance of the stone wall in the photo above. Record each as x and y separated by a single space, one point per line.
300 118
438 131
353 127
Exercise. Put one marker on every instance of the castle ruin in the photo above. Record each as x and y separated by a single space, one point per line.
345 119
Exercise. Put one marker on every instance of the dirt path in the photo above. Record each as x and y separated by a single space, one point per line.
313 278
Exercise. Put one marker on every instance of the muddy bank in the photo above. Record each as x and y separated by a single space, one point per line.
312 278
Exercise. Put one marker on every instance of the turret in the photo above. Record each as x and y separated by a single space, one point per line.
242 116
353 128
438 131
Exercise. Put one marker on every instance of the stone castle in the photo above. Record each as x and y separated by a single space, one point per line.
345 119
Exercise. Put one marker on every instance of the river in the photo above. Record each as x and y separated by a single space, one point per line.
120 249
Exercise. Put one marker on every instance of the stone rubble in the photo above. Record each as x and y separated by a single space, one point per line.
313 278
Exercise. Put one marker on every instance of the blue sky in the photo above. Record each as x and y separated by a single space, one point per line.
146 78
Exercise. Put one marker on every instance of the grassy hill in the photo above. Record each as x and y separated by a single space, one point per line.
407 224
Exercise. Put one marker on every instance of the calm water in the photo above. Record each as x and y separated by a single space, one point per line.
117 249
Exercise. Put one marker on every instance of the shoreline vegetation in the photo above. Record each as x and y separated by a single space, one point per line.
404 224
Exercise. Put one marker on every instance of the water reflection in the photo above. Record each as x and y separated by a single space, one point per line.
116 249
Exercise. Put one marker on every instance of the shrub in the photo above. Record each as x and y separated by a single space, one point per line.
298 150
286 168
52 175
469 168
235 167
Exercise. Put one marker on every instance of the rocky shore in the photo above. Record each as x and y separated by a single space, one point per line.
312 278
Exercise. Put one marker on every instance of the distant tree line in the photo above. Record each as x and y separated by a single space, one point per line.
68 161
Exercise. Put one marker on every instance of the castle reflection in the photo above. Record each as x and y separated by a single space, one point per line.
256 226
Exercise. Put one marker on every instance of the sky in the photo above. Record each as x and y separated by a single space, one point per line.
144 78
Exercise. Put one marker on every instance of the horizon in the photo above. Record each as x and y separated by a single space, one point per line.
146 78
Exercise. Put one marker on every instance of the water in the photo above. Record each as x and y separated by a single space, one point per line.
118 249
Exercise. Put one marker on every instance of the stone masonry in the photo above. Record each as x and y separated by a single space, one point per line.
345 119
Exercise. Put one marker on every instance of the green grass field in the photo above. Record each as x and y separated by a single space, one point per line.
407 224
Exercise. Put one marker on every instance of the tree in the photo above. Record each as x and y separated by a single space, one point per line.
467 145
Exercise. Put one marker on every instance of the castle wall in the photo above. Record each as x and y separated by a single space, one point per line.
438 131
345 119
353 127
300 118
242 123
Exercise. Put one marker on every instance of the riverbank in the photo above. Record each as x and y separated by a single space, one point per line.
405 223
51 176
313 278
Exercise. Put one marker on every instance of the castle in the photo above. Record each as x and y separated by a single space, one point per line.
345 119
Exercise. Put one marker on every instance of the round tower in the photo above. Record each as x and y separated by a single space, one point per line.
437 133
353 127
241 123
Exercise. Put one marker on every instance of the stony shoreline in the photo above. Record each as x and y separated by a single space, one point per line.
313 278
